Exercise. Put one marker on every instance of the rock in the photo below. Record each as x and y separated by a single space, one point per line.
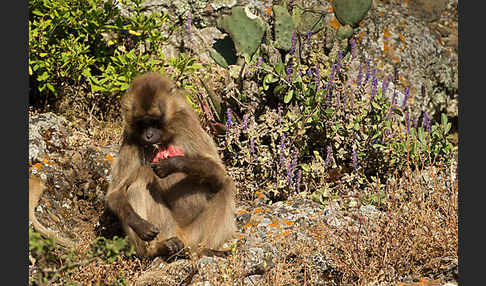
427 10
351 12
47 134
390 39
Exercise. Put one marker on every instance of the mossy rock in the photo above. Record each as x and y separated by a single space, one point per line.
351 12
245 29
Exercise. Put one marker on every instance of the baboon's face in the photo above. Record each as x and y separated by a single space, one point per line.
147 109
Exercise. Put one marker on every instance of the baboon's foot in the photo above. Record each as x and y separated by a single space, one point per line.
144 229
171 246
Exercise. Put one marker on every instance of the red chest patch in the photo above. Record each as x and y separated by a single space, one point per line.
166 153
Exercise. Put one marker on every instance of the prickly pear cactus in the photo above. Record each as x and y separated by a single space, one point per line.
284 28
350 12
245 29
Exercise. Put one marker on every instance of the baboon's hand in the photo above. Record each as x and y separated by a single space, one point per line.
145 230
165 167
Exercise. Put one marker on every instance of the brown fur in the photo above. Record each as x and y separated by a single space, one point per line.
182 201
36 188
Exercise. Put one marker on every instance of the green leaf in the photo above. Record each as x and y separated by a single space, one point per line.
329 111
43 76
278 89
447 128
375 105
421 134
443 118
305 167
50 87
288 96
279 69
38 13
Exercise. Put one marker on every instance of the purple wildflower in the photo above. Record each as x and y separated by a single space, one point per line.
189 21
260 61
385 84
228 123
318 78
289 71
330 83
367 76
290 173
374 84
329 93
299 73
279 118
340 55
245 122
353 48
309 38
282 149
405 99
426 122
415 122
291 167
252 146
423 90
394 100
328 155
360 75
299 177
355 161
294 43
309 72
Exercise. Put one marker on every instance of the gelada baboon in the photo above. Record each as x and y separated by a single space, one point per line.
36 188
169 187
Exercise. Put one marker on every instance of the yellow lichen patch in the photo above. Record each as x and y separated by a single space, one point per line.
402 37
47 161
334 23
287 222
386 33
110 159
386 48
38 166
258 210
382 13
240 212
421 282
330 9
396 59
274 224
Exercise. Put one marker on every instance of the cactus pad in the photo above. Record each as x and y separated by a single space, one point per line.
284 28
245 29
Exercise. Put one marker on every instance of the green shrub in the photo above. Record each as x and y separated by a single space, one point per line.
338 132
110 249
90 47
